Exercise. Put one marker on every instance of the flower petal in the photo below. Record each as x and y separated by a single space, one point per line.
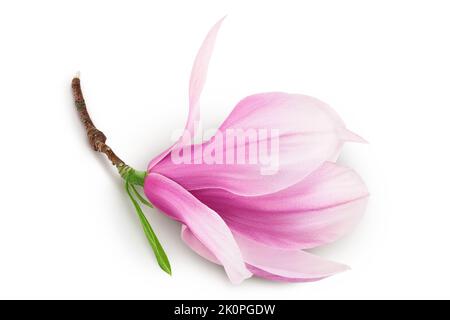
189 238
197 81
284 264
198 76
273 263
305 134
318 210
205 224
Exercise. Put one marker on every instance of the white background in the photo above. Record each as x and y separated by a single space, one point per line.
67 229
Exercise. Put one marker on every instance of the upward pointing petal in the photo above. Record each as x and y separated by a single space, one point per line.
197 81
198 76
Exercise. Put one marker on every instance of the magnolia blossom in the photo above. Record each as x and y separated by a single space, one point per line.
253 223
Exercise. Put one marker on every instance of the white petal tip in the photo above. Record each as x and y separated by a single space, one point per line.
77 75
241 278
349 136
346 268
219 23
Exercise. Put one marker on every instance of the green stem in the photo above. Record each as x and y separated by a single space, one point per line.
131 175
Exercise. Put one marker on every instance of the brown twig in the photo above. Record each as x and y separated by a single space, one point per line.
97 139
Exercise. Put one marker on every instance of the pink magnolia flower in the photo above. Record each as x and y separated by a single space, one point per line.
255 224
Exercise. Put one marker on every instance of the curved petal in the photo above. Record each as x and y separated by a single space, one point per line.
318 210
273 263
198 78
189 238
282 137
205 224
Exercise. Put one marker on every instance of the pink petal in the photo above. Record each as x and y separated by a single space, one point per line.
309 134
189 238
347 135
198 79
205 224
273 263
323 207
198 76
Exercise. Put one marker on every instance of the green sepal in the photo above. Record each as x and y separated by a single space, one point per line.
158 250
140 198
132 176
